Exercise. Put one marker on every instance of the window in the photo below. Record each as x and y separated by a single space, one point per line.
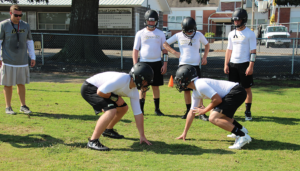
54 21
174 22
199 21
293 26
6 15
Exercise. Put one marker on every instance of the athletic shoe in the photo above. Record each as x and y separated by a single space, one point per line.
232 135
248 116
185 114
9 111
240 142
25 109
159 113
96 145
203 117
112 133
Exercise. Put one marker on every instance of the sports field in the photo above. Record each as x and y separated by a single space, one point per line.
54 136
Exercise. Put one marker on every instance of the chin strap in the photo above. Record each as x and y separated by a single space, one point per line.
235 36
189 37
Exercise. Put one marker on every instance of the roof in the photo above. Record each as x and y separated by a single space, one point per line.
178 4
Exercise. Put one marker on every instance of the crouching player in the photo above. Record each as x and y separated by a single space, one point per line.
225 97
104 92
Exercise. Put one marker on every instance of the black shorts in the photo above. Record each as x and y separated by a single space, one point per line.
198 73
89 93
232 101
158 78
237 74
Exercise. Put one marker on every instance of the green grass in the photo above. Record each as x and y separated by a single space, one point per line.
54 137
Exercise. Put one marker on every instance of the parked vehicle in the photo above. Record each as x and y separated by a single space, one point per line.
167 32
272 33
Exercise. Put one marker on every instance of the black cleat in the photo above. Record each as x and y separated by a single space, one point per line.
248 116
203 117
112 133
185 115
159 113
96 145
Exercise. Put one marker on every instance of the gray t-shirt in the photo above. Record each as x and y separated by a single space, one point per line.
10 53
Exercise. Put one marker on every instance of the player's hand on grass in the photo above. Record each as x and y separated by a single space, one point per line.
182 136
144 140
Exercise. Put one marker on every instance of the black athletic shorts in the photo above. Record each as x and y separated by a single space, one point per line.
232 101
198 73
89 93
237 74
158 78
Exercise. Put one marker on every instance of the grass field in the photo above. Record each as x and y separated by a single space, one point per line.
54 136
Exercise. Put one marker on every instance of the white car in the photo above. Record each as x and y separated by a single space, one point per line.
167 32
274 35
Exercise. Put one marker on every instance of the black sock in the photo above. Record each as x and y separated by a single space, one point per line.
142 103
238 125
248 107
188 107
237 131
156 102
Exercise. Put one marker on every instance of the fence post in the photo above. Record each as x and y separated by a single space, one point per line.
121 52
200 56
293 57
223 35
259 45
297 38
42 38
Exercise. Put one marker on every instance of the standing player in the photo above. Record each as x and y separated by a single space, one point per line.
104 92
241 52
189 44
226 97
149 41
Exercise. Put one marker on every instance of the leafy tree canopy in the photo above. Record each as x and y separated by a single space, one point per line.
286 2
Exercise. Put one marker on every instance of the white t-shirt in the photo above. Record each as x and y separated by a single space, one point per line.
150 44
188 54
242 45
206 88
117 83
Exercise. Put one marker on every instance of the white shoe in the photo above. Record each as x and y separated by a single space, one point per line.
232 135
248 118
240 142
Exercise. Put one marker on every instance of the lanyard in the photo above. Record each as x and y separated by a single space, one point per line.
17 32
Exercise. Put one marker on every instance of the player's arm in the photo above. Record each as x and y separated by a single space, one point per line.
206 50
165 59
135 54
249 70
139 120
215 101
227 59
0 54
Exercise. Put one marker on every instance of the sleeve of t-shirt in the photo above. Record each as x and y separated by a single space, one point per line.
172 39
206 90
229 46
203 40
195 100
137 41
1 32
135 104
163 40
252 40
29 36
113 84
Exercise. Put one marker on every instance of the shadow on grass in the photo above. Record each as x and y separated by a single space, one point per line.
65 91
66 116
30 140
256 144
160 147
279 120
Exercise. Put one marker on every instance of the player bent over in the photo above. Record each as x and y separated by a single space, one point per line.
104 92
225 97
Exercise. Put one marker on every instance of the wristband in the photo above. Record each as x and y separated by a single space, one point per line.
114 97
252 57
166 57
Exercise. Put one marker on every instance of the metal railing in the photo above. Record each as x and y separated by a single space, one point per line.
97 53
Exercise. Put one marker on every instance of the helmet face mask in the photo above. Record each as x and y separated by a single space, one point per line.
142 75
188 25
184 76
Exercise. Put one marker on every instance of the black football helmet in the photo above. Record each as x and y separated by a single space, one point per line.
184 75
151 15
240 14
139 72
189 25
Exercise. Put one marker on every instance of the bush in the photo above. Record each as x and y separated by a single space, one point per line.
209 34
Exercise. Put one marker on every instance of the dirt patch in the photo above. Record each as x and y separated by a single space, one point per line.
59 77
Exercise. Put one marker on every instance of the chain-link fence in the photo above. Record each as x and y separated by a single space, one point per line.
98 53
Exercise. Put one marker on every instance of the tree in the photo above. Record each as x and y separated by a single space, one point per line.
84 20
287 2
199 1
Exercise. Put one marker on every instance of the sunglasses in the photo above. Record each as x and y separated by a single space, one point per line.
16 15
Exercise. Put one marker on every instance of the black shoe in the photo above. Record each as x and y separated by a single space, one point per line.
185 115
112 133
159 113
203 117
96 145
